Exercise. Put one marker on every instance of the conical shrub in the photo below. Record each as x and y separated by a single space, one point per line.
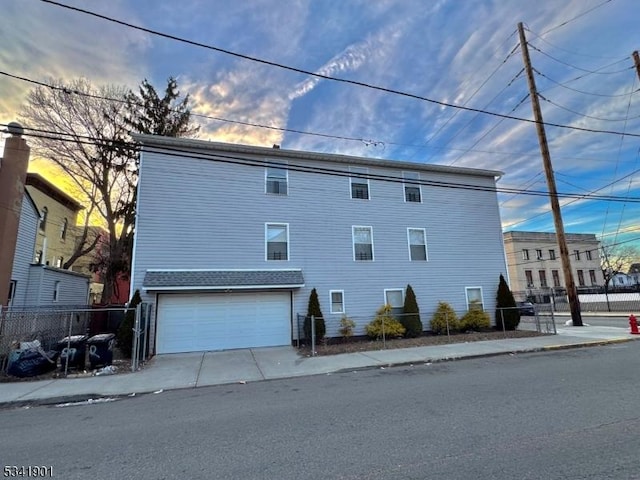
411 318
506 311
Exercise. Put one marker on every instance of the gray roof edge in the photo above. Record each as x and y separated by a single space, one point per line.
156 140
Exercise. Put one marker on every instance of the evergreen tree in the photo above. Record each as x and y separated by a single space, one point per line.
411 318
506 307
314 309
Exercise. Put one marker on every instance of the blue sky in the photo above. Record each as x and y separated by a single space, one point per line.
454 51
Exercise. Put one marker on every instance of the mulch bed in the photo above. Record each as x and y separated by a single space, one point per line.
364 344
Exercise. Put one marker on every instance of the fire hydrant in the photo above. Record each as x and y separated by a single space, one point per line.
633 323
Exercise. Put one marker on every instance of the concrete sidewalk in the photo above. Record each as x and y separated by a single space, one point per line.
192 370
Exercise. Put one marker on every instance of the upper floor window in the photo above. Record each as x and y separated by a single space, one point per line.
417 244
43 218
38 258
543 278
529 276
277 180
556 278
576 253
592 276
277 240
539 254
525 254
581 278
59 262
359 183
589 255
552 254
412 189
336 298
362 243
63 229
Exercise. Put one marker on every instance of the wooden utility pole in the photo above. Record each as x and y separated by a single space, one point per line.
572 293
636 60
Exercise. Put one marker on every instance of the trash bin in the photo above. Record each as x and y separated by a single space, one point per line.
101 349
73 349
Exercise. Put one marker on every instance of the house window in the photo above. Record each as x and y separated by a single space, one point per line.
59 262
63 229
552 254
474 298
56 291
277 179
556 278
525 254
543 278
412 189
589 255
12 291
592 276
43 218
362 243
277 239
539 254
359 183
529 275
394 297
581 278
576 253
336 298
417 244
38 257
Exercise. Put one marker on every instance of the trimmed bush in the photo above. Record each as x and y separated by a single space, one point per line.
411 318
385 323
475 319
314 309
346 327
443 314
125 331
505 307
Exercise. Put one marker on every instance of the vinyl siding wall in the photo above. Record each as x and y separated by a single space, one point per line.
73 287
202 214
25 248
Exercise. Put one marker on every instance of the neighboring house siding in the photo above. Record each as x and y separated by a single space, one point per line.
200 214
25 247
73 288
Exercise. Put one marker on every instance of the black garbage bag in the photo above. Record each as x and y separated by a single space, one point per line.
32 362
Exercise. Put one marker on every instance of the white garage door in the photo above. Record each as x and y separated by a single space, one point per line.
201 322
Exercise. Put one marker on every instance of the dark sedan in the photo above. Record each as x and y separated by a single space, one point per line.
526 308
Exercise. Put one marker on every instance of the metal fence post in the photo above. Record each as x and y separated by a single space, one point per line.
66 363
384 336
313 335
136 339
446 319
504 328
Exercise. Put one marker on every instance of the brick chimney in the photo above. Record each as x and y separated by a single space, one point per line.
13 172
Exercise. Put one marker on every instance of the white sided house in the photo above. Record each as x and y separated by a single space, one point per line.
231 239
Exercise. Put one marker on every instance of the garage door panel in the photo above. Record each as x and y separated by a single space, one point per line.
200 322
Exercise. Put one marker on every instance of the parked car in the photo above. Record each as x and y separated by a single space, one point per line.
526 308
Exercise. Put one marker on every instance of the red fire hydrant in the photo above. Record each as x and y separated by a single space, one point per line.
633 323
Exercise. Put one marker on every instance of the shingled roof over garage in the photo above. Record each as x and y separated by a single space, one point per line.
166 280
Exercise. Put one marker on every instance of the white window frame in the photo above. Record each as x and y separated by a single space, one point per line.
56 291
360 171
415 176
353 242
13 285
266 241
539 254
281 166
59 262
426 250
466 292
525 254
341 292
387 290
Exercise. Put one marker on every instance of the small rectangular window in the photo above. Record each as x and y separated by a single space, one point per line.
576 253
538 254
556 278
417 244
12 291
580 278
474 298
362 243
59 262
63 229
277 180
277 240
525 254
359 183
552 254
56 291
337 301
394 297
412 189
592 276
529 275
543 278
589 255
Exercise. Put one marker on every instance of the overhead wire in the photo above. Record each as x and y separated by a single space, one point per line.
582 14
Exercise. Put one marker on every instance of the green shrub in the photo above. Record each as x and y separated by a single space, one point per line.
125 331
475 319
411 318
386 324
346 326
505 307
314 309
443 314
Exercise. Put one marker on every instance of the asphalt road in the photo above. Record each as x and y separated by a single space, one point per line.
571 414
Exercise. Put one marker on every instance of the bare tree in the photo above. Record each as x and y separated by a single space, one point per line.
615 259
84 130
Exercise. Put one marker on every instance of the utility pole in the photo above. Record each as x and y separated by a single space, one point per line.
636 60
572 293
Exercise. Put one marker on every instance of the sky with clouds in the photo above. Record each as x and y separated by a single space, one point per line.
461 52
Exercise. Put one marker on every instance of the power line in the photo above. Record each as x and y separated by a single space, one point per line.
569 51
575 18
582 91
319 75
592 72
555 104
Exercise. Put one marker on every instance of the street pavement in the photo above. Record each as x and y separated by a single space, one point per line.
193 370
